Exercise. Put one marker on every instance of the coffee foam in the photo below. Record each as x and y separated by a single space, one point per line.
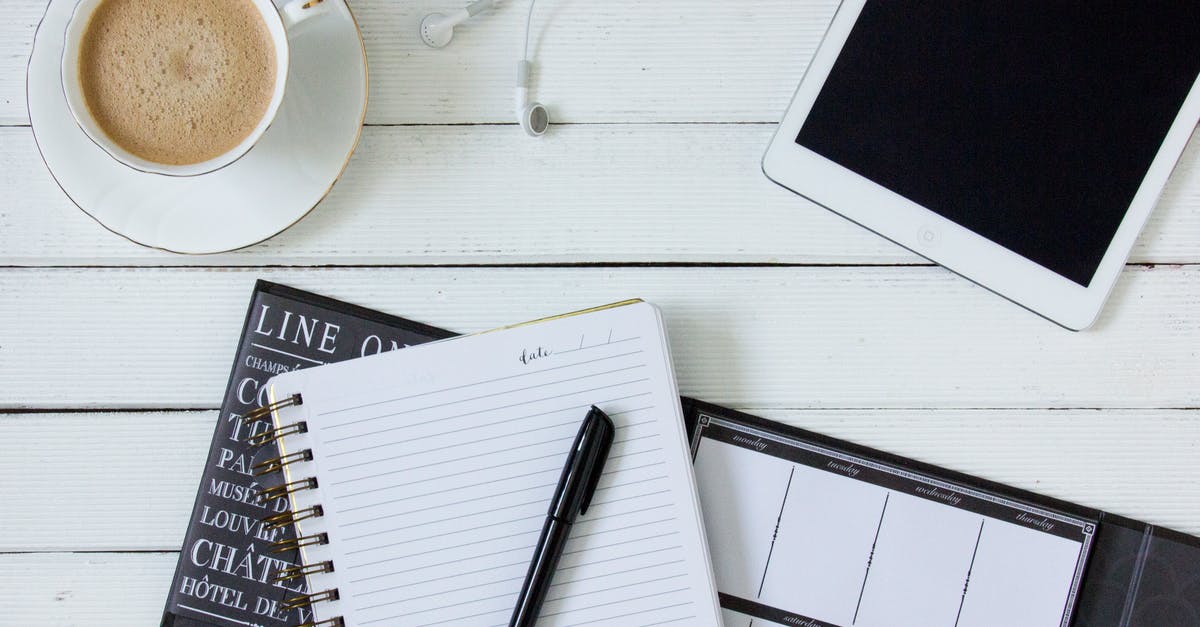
177 82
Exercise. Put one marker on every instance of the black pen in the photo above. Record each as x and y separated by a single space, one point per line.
575 488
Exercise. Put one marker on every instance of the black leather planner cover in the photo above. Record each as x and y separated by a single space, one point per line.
1137 575
223 577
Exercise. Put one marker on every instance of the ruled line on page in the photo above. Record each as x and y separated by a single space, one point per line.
557 425
442 520
624 600
477 383
615 559
556 584
608 618
512 535
528 531
448 461
641 481
631 454
466 472
447 476
518 534
474 572
573 407
595 504
435 449
615 573
542 486
459 401
418 495
422 596
596 519
621 485
623 498
366 434
511 550
473 557
621 543
610 342
628 585
671 620
523 562
459 459
553 471
574 421
464 573
614 529
540 516
578 594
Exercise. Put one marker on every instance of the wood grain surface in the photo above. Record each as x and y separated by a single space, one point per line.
113 357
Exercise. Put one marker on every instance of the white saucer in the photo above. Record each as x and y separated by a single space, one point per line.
281 179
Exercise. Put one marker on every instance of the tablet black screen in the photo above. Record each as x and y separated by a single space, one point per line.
1030 123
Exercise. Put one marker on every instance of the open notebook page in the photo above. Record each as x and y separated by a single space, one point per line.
436 465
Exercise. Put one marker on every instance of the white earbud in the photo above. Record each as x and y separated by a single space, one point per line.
532 115
437 29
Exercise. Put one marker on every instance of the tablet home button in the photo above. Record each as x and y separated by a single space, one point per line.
928 236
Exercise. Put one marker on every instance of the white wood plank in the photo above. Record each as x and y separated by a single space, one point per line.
615 61
20 20
81 590
74 482
423 195
1138 463
768 337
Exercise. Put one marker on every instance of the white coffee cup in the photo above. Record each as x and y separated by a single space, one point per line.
277 22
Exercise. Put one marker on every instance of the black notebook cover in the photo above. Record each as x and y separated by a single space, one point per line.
1137 574
223 577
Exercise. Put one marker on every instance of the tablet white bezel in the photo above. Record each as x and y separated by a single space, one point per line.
941 240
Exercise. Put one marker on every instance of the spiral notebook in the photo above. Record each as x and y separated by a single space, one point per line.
224 575
419 479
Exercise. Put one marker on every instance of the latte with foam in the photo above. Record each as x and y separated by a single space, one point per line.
176 82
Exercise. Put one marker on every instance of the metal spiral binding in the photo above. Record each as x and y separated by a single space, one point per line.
296 572
282 490
271 435
262 413
276 464
309 599
291 544
279 521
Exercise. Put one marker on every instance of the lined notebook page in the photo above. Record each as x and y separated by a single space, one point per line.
436 465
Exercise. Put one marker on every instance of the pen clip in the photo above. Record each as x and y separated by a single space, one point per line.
597 465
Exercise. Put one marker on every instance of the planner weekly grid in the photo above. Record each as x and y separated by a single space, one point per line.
807 535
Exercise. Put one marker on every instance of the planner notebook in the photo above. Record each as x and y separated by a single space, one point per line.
810 530
419 479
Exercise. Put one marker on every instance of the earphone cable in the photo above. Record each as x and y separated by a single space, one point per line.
528 22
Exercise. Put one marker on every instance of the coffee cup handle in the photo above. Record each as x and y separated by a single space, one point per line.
297 11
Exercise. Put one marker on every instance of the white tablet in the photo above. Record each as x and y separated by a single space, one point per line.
1021 145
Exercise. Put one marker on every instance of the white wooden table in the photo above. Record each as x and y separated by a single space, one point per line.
113 358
